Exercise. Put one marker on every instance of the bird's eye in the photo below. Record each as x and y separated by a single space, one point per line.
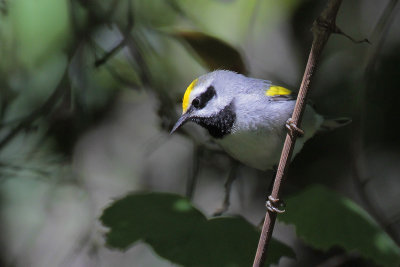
196 103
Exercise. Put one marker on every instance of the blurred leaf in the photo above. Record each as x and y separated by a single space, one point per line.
124 73
180 233
40 29
324 219
153 12
215 53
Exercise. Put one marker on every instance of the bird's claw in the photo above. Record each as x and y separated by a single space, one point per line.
293 129
275 205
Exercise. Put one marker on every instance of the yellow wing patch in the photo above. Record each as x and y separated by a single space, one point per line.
186 96
275 90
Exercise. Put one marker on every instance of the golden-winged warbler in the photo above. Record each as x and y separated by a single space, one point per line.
247 116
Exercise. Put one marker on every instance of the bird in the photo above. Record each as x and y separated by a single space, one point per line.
248 117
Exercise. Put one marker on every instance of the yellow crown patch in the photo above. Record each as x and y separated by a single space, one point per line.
275 90
186 96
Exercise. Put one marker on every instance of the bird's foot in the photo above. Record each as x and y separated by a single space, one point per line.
293 129
228 186
275 205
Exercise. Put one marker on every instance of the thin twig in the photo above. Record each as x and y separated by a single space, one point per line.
322 28
365 40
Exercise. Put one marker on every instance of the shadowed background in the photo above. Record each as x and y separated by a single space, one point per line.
90 91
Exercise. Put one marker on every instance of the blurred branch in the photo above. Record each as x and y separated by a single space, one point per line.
44 109
10 122
113 7
126 33
322 28
109 54
360 175
132 43
16 168
380 33
60 90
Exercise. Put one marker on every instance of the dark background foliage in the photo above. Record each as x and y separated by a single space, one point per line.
90 90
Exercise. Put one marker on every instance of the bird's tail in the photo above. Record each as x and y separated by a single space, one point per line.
332 124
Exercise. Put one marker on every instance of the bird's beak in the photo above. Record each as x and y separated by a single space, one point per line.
182 120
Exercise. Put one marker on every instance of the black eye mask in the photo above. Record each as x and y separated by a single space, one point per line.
202 100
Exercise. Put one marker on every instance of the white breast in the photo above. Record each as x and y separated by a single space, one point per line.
257 141
259 150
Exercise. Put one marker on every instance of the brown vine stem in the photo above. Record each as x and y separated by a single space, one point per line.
322 28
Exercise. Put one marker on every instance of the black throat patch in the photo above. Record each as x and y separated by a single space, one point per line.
219 125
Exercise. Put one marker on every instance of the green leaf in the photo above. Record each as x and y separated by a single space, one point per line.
40 28
215 53
324 219
182 234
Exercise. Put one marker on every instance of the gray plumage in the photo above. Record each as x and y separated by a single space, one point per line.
244 121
